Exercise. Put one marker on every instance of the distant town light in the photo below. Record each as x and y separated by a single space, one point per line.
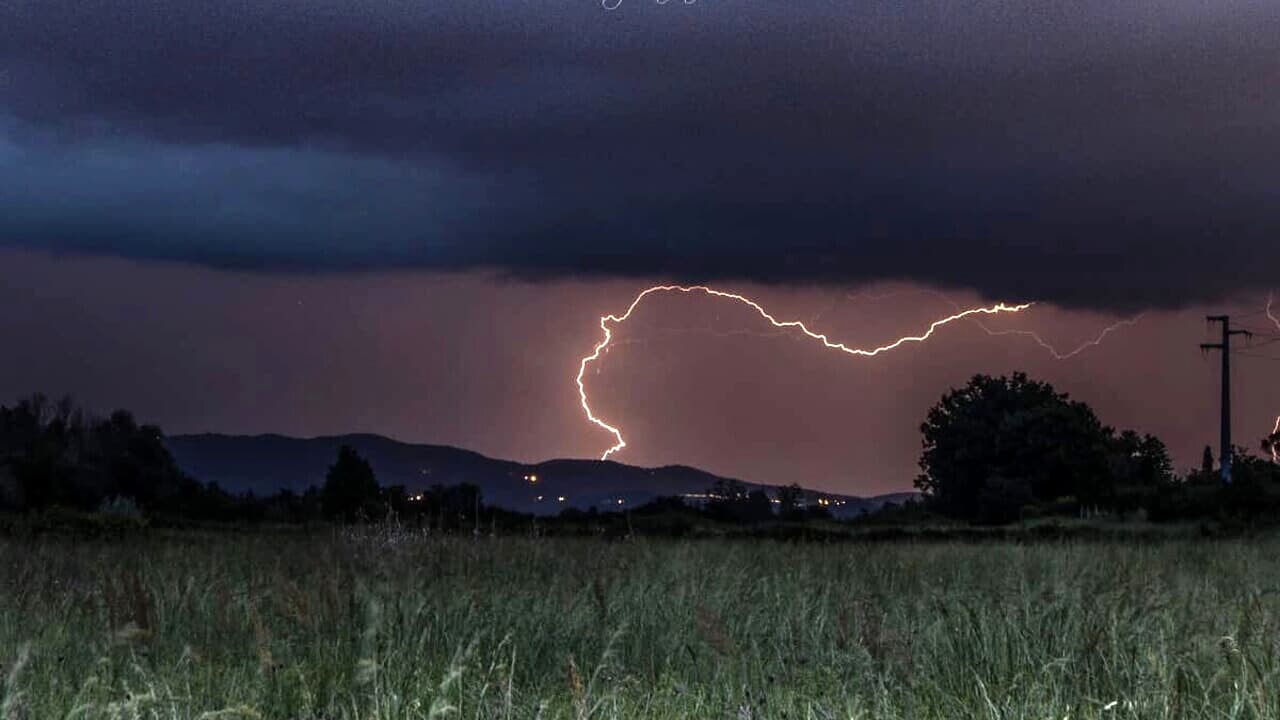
561 498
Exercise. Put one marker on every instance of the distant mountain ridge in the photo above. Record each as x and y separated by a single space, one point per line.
266 464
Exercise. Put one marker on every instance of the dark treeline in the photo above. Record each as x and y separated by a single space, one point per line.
55 456
998 450
1004 449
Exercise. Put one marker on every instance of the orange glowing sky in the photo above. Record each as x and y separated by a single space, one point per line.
489 364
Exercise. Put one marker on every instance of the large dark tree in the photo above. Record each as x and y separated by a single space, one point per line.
1000 443
350 490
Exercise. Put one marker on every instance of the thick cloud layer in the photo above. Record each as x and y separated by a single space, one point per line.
1101 153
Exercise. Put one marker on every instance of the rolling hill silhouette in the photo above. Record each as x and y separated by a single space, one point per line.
268 463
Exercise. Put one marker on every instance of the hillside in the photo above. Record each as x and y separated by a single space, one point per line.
267 463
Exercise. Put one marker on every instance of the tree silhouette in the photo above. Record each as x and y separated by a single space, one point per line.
1001 441
730 501
56 454
1140 460
724 497
790 499
350 490
1206 462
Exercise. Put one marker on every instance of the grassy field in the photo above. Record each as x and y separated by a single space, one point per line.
385 625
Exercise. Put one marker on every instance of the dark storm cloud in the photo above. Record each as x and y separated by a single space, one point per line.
1098 153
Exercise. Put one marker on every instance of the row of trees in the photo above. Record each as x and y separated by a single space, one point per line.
54 454
1001 447
351 493
994 451
731 501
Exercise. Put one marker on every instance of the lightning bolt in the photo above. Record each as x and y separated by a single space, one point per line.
1275 446
1035 336
1058 355
607 321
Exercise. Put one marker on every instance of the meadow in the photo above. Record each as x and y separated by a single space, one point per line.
381 623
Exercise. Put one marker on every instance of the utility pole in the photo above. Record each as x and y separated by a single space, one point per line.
1224 456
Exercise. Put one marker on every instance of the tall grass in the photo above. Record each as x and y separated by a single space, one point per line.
382 625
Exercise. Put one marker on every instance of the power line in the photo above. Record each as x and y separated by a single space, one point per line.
1241 353
1266 331
1257 346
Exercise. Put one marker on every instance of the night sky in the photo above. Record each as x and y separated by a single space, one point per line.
407 216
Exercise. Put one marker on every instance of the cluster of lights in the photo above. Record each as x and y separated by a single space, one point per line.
710 496
531 479
775 501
